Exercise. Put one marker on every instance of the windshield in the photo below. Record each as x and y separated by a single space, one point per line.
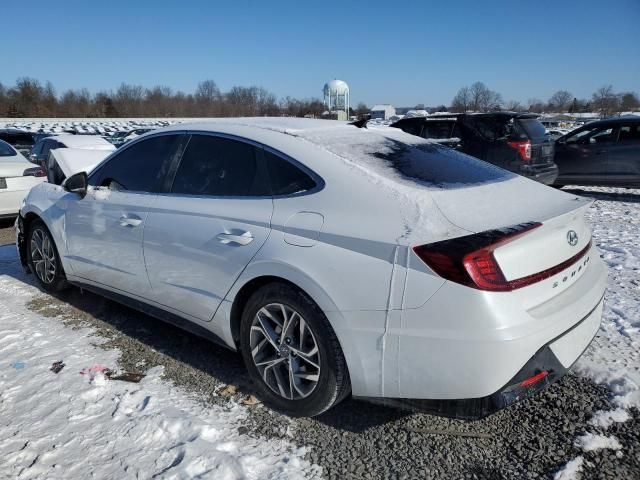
6 150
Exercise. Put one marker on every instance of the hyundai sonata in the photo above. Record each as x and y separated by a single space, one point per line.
338 260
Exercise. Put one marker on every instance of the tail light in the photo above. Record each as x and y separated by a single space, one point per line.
470 261
523 148
34 172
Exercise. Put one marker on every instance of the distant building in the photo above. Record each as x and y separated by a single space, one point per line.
382 111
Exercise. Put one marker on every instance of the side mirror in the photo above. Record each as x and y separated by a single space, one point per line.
76 183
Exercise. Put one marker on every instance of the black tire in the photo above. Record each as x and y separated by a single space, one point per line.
58 280
333 383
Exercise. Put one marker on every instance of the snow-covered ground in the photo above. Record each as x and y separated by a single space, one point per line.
73 425
69 425
613 358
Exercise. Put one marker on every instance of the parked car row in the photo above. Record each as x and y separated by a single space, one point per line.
337 260
604 153
17 176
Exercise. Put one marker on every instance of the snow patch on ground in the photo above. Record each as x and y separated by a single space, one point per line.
614 356
603 419
69 425
571 471
594 441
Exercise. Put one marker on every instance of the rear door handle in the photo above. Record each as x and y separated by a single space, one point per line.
244 238
129 221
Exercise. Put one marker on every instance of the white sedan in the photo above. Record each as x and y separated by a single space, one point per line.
338 260
17 176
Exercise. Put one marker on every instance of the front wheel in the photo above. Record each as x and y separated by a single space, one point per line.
43 258
291 352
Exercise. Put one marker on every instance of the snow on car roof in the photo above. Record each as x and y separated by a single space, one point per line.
92 142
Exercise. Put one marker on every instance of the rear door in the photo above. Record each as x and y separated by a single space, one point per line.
624 155
104 229
208 226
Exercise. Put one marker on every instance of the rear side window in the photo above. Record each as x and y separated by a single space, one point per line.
533 127
219 167
138 168
629 133
37 149
6 150
286 178
438 129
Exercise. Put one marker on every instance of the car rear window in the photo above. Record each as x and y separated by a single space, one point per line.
6 150
533 127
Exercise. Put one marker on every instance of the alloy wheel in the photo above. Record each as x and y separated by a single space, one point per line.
43 256
285 351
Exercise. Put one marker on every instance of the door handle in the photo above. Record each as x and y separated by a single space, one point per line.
243 239
130 221
601 152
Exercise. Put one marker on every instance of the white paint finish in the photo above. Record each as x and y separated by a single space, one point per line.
302 229
100 246
189 267
404 330
570 346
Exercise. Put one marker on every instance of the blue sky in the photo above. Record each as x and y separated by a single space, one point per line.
399 52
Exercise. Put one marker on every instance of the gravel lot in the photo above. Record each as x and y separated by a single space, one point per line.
533 439
7 234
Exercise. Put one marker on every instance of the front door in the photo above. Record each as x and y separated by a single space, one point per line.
104 230
203 232
583 156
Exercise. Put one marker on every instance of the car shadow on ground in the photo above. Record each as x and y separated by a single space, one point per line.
606 196
209 366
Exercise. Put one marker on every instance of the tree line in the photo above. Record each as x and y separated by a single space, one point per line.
605 101
30 98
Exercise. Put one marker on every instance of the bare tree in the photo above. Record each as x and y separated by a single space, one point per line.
605 101
483 99
629 102
462 101
535 105
560 101
514 106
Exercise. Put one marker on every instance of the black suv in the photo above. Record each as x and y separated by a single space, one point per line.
513 141
606 152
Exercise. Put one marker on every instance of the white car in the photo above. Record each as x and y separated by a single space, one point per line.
336 259
40 152
17 176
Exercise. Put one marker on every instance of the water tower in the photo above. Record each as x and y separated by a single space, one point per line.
336 98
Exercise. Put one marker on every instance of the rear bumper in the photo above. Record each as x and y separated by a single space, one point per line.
545 367
545 174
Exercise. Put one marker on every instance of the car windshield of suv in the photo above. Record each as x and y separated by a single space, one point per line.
6 150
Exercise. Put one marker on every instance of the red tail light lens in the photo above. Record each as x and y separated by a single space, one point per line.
470 261
535 379
523 148
34 172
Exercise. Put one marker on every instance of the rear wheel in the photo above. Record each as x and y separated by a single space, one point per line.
291 352
43 258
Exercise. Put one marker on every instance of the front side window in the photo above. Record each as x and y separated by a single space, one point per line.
286 178
591 135
220 167
138 168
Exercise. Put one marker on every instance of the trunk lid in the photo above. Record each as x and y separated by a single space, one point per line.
518 201
13 168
